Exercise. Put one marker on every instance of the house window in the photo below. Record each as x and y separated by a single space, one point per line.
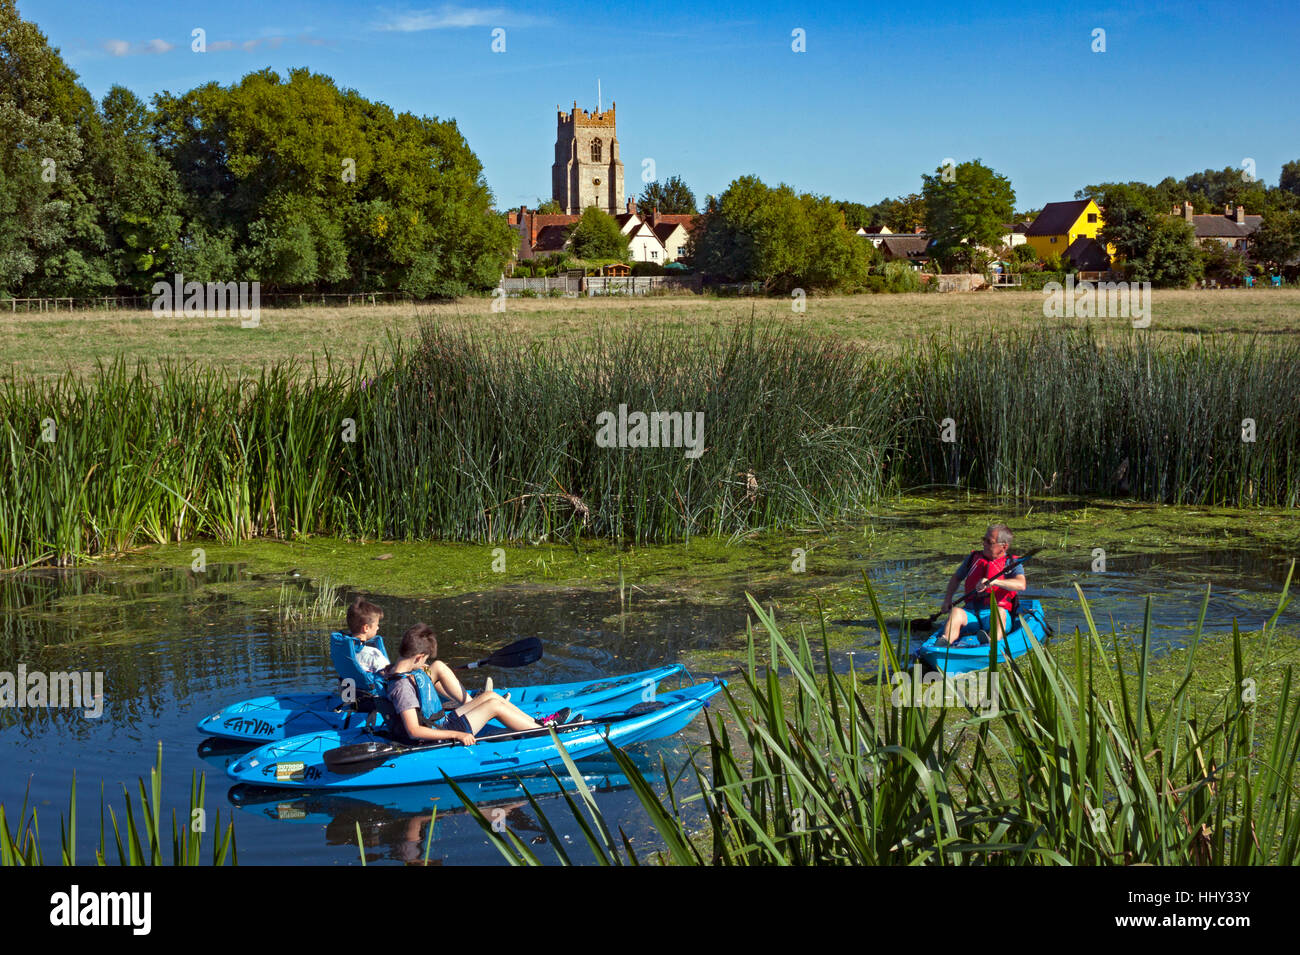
1092 217
595 150
654 254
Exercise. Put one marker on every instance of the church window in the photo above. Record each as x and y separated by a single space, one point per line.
595 150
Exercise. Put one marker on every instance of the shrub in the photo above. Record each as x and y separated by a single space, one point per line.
901 277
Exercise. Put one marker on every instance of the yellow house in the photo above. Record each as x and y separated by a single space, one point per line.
1069 229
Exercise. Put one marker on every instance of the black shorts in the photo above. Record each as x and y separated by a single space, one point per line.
455 722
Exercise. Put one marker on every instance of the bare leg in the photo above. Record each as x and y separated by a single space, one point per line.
490 706
952 629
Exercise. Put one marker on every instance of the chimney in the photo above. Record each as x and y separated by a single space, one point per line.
1187 211
654 217
512 217
1227 209
631 207
1241 214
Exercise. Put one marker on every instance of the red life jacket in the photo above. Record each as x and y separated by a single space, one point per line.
980 567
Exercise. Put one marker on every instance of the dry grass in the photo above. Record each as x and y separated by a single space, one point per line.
51 343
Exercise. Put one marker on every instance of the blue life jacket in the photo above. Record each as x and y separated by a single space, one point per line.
343 654
431 713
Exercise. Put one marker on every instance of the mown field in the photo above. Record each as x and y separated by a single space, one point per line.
52 343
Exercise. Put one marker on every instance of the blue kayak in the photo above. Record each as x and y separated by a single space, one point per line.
969 654
305 762
265 719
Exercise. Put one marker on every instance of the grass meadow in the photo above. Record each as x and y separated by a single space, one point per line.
51 343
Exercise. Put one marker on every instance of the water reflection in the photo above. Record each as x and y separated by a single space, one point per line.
394 821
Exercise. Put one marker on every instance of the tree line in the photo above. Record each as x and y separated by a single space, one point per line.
289 181
300 185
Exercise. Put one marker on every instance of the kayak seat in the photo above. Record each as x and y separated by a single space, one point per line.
343 654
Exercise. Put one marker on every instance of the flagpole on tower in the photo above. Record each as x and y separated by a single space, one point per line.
599 107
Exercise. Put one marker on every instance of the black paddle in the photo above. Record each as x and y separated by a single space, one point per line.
518 654
360 757
927 623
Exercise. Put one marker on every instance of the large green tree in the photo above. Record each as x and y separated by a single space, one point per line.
1172 258
597 236
1129 215
1289 181
778 237
671 197
87 206
1277 241
904 214
1211 190
318 187
967 205
49 236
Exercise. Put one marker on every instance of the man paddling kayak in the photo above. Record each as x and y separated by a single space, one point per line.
974 575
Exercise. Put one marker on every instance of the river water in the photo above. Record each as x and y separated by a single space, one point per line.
174 646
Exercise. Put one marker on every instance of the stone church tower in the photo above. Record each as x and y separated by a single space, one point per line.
587 170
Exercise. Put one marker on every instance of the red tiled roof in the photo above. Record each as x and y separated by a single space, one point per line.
551 238
688 221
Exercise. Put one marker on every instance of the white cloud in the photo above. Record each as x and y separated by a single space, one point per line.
451 17
123 48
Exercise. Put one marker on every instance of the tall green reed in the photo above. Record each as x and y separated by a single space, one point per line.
1204 422
463 436
138 843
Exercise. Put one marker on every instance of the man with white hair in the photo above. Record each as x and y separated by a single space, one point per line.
976 576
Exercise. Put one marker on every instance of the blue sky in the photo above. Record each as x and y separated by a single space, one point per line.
711 91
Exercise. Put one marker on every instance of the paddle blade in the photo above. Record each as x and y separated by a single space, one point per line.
360 757
518 654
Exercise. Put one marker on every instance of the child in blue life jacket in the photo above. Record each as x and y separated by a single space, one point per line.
976 575
417 708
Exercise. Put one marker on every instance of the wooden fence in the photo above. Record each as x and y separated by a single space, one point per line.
145 302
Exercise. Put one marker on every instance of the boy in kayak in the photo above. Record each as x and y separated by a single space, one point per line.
976 574
419 713
363 623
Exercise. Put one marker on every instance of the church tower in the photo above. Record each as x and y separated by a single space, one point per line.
587 170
